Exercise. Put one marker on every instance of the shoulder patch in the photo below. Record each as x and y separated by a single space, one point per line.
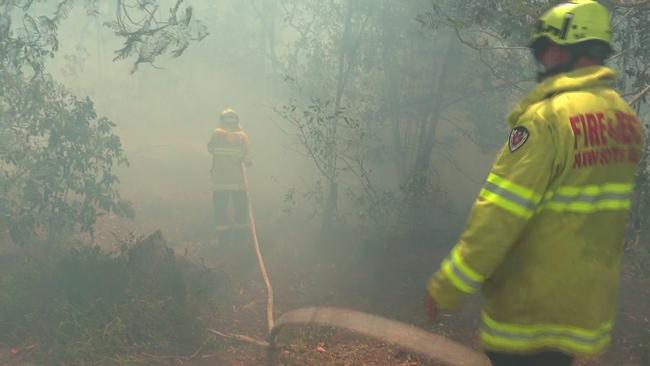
518 137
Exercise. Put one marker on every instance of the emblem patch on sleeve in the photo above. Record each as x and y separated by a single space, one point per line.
518 137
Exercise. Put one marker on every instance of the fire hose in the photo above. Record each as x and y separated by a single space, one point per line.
258 253
404 336
407 337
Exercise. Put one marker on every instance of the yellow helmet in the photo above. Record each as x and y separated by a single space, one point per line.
574 22
229 114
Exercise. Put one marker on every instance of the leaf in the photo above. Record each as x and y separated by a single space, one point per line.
5 25
27 5
188 16
113 25
179 51
46 24
130 47
30 24
63 10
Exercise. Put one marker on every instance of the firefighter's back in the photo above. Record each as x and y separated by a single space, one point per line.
565 268
229 149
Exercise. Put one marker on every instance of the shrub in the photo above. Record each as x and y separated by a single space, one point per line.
84 306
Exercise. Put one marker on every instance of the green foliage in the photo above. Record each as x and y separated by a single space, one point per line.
149 37
56 155
56 158
83 306
350 147
28 38
32 40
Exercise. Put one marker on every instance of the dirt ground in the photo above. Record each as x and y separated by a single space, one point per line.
388 284
383 276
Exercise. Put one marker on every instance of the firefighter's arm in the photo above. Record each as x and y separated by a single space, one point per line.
510 198
212 144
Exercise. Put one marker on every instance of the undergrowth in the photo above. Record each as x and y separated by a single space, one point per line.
86 307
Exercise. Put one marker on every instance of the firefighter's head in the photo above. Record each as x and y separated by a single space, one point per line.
571 35
229 119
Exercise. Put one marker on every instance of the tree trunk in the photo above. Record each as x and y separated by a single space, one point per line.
391 86
330 211
268 15
420 174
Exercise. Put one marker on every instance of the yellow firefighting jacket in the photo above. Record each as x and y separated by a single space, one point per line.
229 150
543 241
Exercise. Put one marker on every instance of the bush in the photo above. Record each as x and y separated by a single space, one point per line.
57 160
84 306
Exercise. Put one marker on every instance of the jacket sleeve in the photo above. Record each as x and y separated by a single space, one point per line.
509 199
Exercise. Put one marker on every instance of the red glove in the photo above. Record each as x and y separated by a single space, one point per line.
432 308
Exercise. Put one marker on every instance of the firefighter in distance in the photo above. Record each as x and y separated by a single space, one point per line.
230 151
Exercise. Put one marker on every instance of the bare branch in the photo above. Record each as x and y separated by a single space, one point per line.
622 18
480 48
240 338
629 3
639 96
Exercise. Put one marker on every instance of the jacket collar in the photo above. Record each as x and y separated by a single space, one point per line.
230 129
583 78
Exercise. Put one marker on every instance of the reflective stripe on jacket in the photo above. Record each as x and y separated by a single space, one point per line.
543 241
229 150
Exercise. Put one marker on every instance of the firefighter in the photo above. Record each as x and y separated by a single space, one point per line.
230 152
543 241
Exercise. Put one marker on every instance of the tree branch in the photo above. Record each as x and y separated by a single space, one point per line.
240 338
629 4
641 94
